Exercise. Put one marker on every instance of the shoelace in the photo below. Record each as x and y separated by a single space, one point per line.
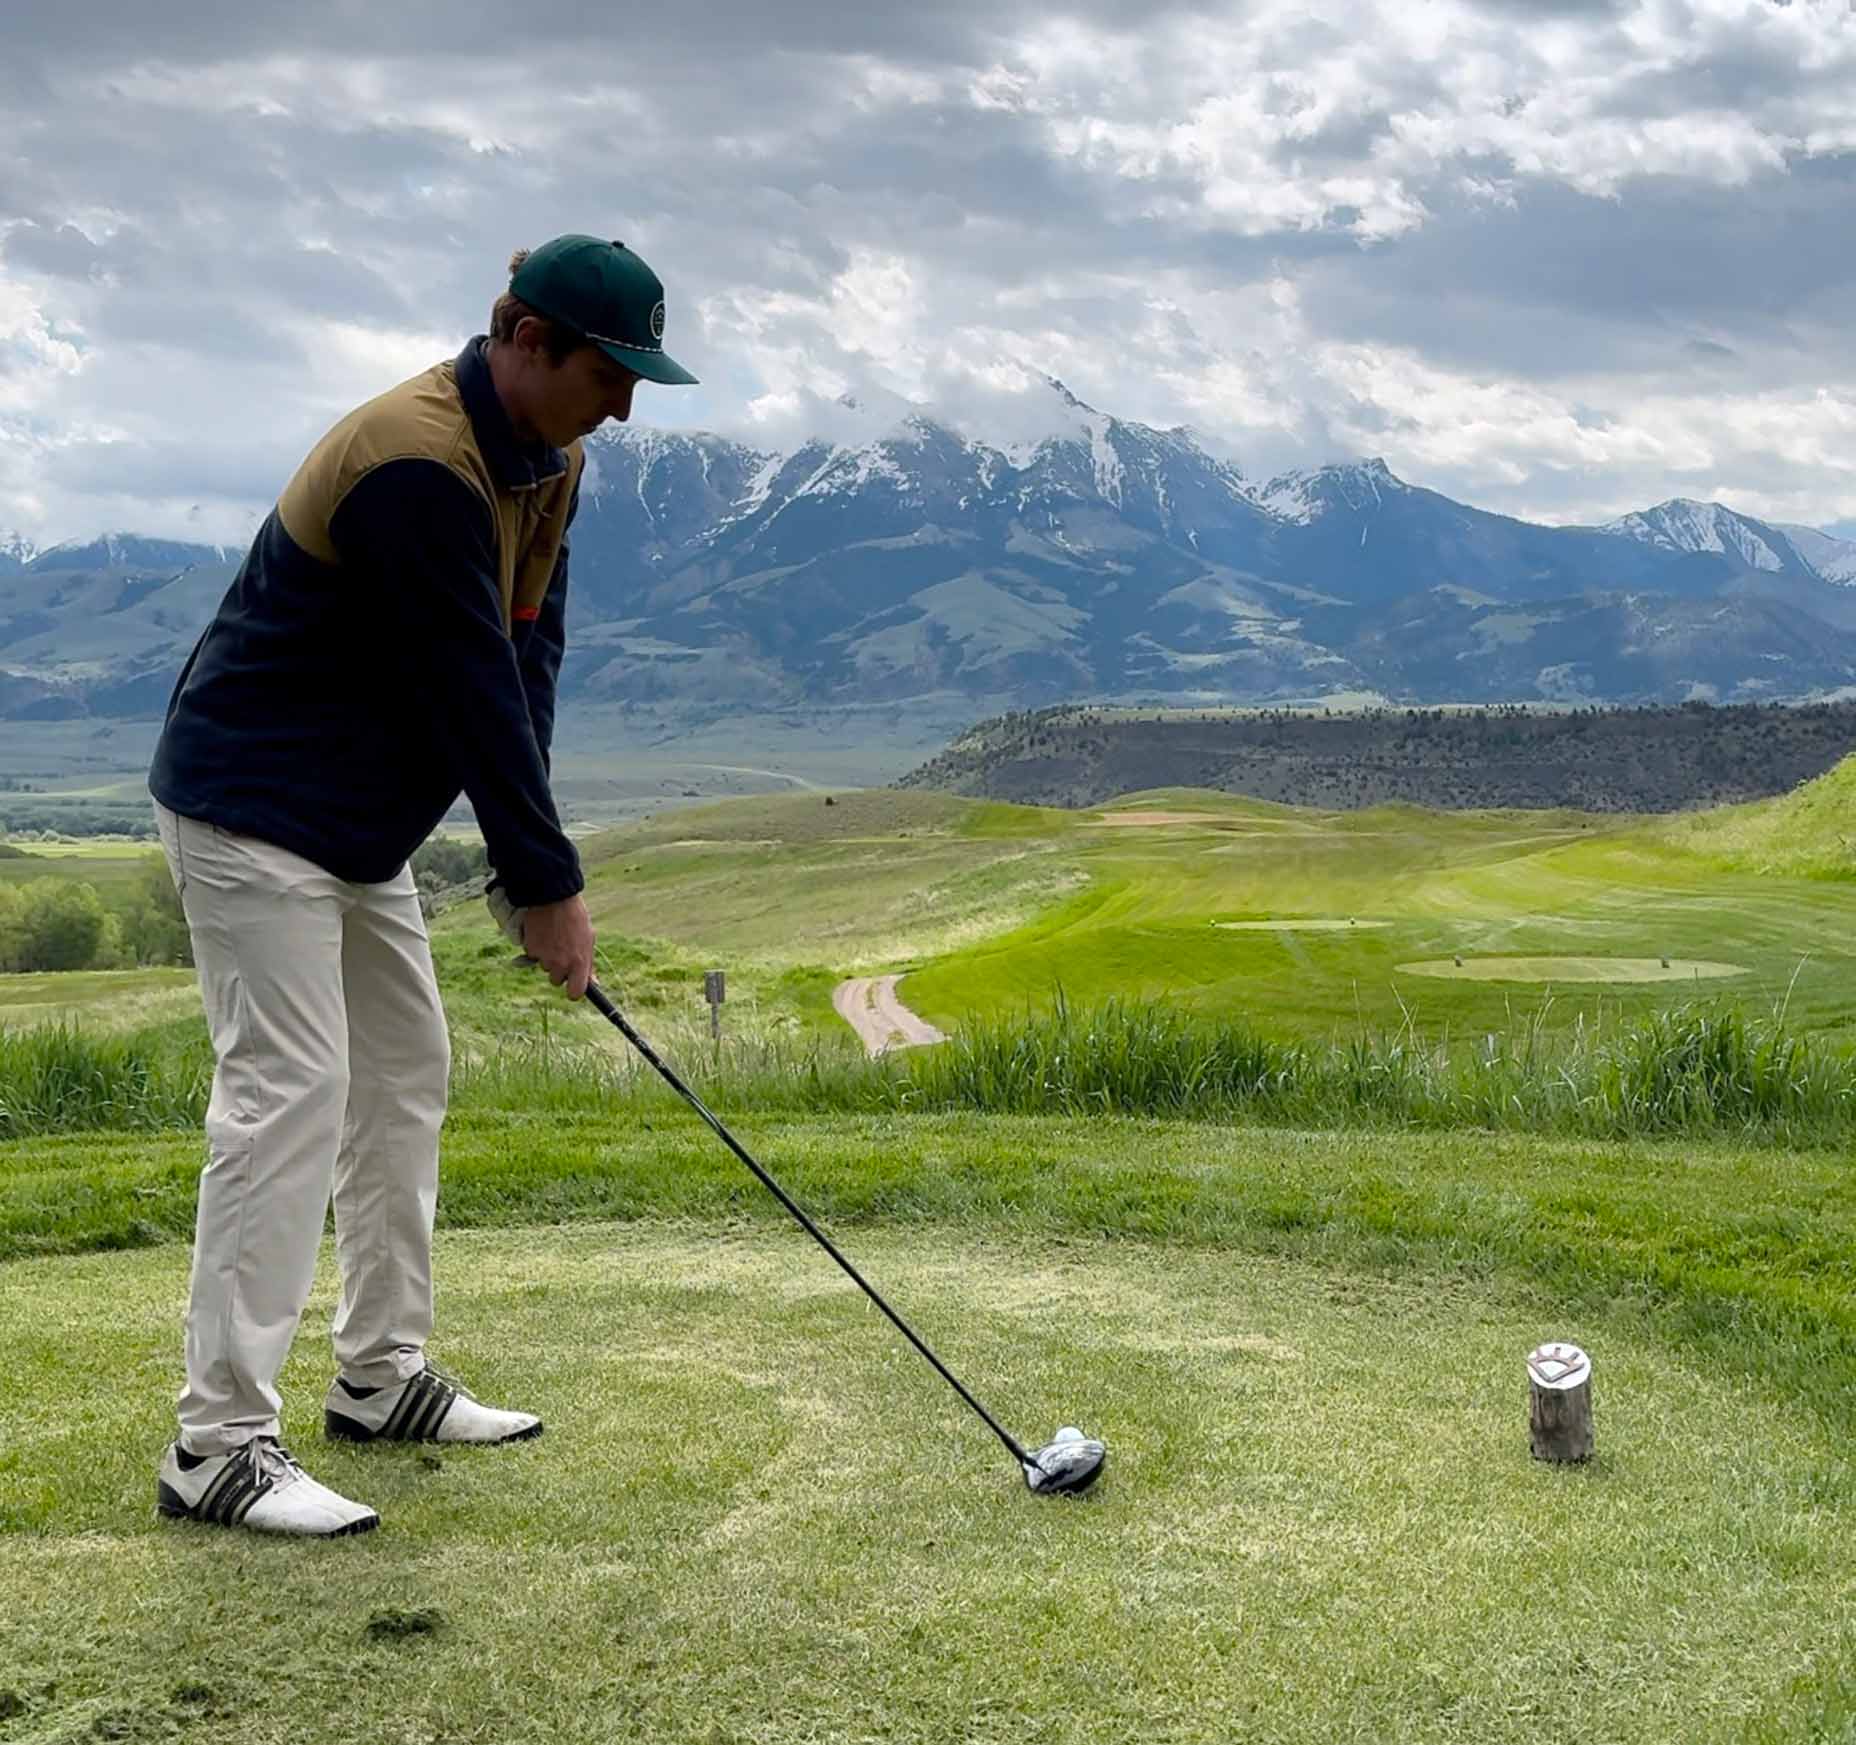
450 1380
272 1464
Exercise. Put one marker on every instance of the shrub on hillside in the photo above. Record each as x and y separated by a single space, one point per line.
59 925
153 924
442 863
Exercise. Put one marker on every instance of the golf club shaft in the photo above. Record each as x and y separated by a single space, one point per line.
596 996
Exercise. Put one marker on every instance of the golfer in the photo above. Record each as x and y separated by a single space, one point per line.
393 638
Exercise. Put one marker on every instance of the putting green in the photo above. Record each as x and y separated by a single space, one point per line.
1574 969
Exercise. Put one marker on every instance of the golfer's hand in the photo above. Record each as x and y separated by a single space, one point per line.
559 936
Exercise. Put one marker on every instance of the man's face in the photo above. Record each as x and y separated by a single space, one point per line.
573 398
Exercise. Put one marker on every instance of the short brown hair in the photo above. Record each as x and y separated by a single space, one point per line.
558 340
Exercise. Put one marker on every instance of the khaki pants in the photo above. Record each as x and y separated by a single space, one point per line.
333 1063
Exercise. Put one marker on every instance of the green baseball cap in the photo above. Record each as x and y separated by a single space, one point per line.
604 291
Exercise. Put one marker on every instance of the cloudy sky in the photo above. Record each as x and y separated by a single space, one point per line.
1559 258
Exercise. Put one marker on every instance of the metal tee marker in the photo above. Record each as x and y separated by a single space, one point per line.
1065 1466
1559 1403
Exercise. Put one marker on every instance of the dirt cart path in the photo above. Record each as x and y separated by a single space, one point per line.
869 1005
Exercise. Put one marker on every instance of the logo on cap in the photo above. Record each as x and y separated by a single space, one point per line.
657 322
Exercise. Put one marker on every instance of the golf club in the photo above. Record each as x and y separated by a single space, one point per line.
1065 1466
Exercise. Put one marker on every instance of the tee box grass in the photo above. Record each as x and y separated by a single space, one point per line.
757 1515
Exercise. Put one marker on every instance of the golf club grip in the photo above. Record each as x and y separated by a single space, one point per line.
596 997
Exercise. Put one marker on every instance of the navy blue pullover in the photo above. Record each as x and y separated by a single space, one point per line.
393 639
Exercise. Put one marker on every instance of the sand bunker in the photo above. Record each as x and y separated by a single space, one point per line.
1574 969
1299 924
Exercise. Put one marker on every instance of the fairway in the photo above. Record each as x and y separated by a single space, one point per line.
99 999
1306 923
757 1515
1302 924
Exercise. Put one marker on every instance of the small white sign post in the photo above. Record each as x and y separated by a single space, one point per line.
715 991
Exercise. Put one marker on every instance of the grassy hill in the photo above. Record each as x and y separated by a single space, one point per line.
1306 923
786 894
1808 833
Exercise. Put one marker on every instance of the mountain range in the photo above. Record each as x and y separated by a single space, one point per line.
1092 557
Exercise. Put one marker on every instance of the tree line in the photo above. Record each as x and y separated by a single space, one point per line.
55 923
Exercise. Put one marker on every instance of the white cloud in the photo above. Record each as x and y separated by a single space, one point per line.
1293 229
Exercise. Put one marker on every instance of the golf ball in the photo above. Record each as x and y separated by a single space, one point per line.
1069 1433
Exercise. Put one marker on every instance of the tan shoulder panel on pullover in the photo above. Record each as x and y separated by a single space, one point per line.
425 419
421 419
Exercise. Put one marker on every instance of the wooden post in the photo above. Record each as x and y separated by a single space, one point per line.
715 990
1559 1403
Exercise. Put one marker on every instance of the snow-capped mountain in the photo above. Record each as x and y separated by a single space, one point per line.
1685 525
122 551
1304 497
1834 559
1089 555
1054 551
16 551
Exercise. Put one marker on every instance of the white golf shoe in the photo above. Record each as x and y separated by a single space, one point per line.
428 1407
259 1486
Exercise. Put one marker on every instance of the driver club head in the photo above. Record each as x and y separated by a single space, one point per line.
1067 1465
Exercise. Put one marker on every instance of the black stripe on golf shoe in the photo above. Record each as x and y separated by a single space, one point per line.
234 1502
395 1426
417 1414
235 1488
237 1484
438 1405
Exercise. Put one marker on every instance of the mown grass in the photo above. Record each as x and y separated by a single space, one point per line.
1746 1252
757 1517
1289 1275
1146 925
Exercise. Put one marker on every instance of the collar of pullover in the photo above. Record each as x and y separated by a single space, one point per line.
518 465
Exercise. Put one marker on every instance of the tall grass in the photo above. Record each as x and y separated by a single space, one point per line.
58 1078
1697 1070
548 1070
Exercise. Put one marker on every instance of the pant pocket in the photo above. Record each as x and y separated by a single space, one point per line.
167 828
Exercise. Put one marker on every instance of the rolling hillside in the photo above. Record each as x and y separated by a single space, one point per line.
1810 831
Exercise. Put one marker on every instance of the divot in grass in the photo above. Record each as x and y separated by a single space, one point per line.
391 1624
